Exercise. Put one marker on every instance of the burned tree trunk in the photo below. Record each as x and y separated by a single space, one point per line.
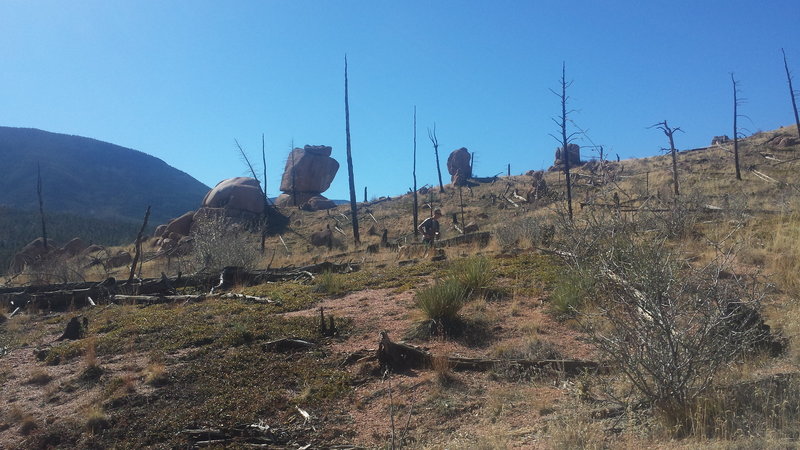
414 176
736 129
41 204
138 246
353 208
669 132
565 139
792 93
435 142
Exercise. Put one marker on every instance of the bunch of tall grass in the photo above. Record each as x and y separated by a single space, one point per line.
442 302
330 283
475 274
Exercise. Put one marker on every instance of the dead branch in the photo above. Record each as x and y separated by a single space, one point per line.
399 356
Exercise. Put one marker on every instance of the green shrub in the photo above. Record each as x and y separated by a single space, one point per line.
330 283
475 274
570 293
442 301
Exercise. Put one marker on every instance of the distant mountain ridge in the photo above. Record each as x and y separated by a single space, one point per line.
92 178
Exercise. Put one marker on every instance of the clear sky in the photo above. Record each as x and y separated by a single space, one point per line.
181 80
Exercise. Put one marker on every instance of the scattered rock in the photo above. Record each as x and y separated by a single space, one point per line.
76 329
122 258
180 226
240 193
323 238
75 246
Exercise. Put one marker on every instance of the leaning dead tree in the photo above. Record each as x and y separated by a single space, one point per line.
264 219
435 142
792 92
414 175
736 103
41 204
138 245
353 208
564 138
669 132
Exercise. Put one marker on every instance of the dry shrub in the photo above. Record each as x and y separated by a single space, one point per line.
155 374
219 243
785 248
28 425
39 377
96 420
761 408
444 373
668 326
574 430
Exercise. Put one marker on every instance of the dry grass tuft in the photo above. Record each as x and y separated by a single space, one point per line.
96 420
155 374
39 377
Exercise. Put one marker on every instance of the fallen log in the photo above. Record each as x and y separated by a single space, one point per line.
399 356
285 344
481 237
60 297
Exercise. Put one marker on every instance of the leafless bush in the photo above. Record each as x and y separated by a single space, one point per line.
219 242
525 230
666 326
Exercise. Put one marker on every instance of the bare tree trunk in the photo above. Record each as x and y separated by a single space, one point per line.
461 202
669 132
564 138
435 142
414 175
41 203
265 219
294 172
791 93
138 246
735 130
353 208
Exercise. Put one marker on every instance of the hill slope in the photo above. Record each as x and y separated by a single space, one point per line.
91 178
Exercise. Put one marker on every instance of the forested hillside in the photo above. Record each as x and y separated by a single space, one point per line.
18 228
91 178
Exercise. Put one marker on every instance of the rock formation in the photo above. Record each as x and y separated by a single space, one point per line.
574 155
239 194
309 172
459 166
240 199
720 139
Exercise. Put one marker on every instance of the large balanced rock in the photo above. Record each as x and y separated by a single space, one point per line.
309 172
459 165
240 193
309 169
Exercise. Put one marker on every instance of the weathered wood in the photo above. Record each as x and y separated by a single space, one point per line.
399 356
481 238
62 296
282 345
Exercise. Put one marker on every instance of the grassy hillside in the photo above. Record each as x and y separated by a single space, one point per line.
91 178
650 286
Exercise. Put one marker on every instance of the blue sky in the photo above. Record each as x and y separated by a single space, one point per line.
182 79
